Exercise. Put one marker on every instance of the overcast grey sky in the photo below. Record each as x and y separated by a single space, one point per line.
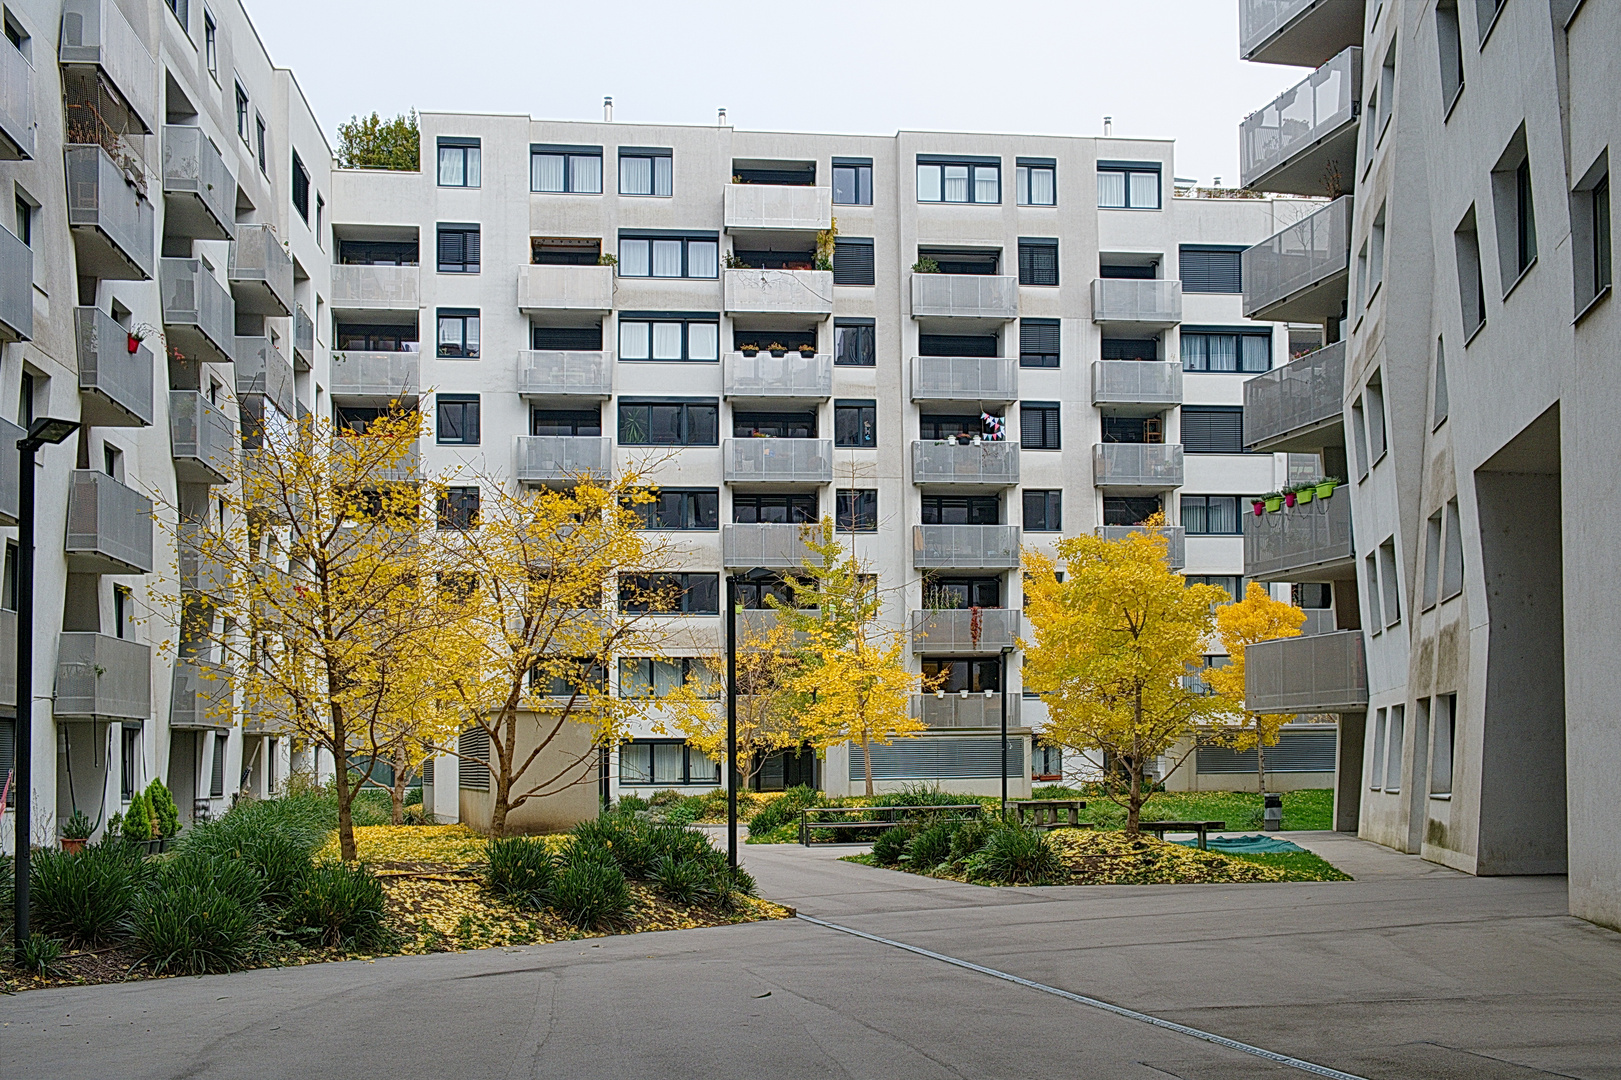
1161 68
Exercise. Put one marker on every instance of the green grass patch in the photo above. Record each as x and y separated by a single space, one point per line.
1298 865
1302 810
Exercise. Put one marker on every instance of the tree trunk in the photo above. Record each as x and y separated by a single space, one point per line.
498 814
346 794
866 759
1260 763
397 795
1134 796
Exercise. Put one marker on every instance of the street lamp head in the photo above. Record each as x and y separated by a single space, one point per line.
47 429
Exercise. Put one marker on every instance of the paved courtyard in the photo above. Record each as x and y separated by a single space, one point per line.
1411 971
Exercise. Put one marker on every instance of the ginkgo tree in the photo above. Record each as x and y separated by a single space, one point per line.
1257 617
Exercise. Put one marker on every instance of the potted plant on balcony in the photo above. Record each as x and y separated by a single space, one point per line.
1326 486
1273 501
1259 505
607 259
807 351
136 335
1304 492
1289 495
75 831
751 348
925 265
777 349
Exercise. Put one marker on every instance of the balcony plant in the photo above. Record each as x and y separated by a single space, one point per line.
751 348
1259 505
777 349
138 334
75 831
1273 501
606 259
734 262
1304 492
1289 495
1326 486
925 265
807 351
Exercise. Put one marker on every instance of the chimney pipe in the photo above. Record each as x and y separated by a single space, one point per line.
1108 126
1215 182
607 110
721 120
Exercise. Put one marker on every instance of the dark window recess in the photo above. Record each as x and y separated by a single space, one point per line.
458 333
935 426
1209 429
1044 511
1038 262
857 510
565 421
355 419
458 508
365 337
754 587
1038 343
957 345
1130 509
974 676
753 425
216 785
129 773
852 182
776 173
1129 271
458 249
377 252
774 259
855 342
301 187
1211 269
674 594
657 423
790 340
961 510
458 419
855 423
1130 349
963 262
1211 515
683 509
962 592
565 251
1038 426
8 745
1312 595
566 338
853 262
587 675
773 509
1133 429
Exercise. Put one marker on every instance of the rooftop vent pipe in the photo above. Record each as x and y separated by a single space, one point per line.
1108 126
721 120
607 110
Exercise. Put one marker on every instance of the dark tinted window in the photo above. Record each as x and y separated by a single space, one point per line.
855 343
773 509
857 510
1044 511
681 508
669 424
962 510
565 422
855 423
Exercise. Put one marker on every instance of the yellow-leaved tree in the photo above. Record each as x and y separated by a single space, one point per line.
1257 617
1112 646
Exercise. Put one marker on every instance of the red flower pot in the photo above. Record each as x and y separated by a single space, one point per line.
1260 507
134 343
1289 499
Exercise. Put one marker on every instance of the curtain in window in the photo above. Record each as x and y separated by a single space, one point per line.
668 763
667 341
1221 351
1257 352
585 174
634 766
703 258
633 340
1193 352
1144 189
987 184
1222 515
703 341
451 166
666 677
472 154
1041 187
635 677
661 176
546 172
666 258
956 183
705 770
634 259
636 176
1111 189
1193 516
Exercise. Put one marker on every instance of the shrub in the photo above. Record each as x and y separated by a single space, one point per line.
234 878
337 904
523 869
195 929
725 888
969 837
680 880
164 811
930 847
274 842
138 819
1014 855
891 845
86 897
591 895
40 954
618 837
783 810
630 804
683 845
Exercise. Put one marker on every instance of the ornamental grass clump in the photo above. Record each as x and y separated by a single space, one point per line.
969 837
784 809
194 929
930 847
1014 855
338 905
591 894
680 881
86 897
40 955
891 845
619 838
234 878
523 869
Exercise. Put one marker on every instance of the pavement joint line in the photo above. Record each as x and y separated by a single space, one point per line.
1096 1003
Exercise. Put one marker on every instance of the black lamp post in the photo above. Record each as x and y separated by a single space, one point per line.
1002 682
43 431
731 721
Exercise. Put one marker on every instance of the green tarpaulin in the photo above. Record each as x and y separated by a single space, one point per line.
1245 845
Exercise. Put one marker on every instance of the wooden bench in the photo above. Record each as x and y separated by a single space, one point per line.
1044 813
1160 828
881 817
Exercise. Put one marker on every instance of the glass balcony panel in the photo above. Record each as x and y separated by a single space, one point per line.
1301 33
771 547
10 473
965 296
1302 543
109 526
201 569
964 630
101 677
565 374
199 194
1176 538
16 107
303 339
96 33
202 696
202 437
261 272
16 289
792 376
966 547
983 380
1290 402
376 377
8 647
545 459
113 224
262 370
971 711
1305 132
115 381
199 315
1144 466
778 461
1315 673
987 464
1136 302
1136 382
372 288
778 208
1299 274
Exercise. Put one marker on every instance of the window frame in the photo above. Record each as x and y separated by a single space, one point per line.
244 130
652 236
858 166
653 155
938 163
1235 332
1237 514
1228 410
569 154
464 230
260 133
693 511
470 152
1129 170
652 318
211 55
1052 507
1024 170
301 187
470 410
651 781
869 338
686 425
1052 413
866 275
1032 359
1030 274
1234 288
456 508
469 319
682 581
866 411
855 510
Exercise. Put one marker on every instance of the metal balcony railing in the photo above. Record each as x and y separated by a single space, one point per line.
778 207
10 473
770 547
109 526
778 292
261 272
199 193
1290 144
1316 673
1301 542
991 464
16 288
365 288
1299 274
101 677
778 461
792 375
985 380
566 288
115 383
95 32
1148 466
202 695
965 630
8 647
366 470
202 438
544 459
201 569
971 710
965 547
1302 33
1176 540
113 225
381 377
1319 621
16 106
262 369
1295 399
199 315
965 296
1137 301
1136 382
303 339
565 374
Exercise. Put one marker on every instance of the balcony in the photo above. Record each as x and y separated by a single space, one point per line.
965 296
261 369
1129 383
367 470
1307 133
376 378
16 107
1300 274
199 316
1299 406
965 630
8 647
16 288
202 696
778 461
1316 673
1302 33
201 571
261 272
114 232
981 381
263 718
202 437
376 288
544 375
768 547
965 547
96 34
581 289
983 464
115 383
1176 540
199 194
303 339
101 677
1137 466
791 377
778 292
562 459
10 473
1136 303
970 710
109 526
1303 543
777 208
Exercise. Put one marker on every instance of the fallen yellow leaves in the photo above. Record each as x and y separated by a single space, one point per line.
412 843
1113 858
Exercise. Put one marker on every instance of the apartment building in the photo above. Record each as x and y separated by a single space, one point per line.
1462 275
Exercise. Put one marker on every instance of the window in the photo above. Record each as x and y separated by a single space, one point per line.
650 677
958 180
1374 401
1211 269
8 585
574 170
571 422
675 337
855 342
961 510
376 337
1471 283
181 9
320 221
669 254
1129 349
681 510
1044 511
1397 750
25 221
458 507
1440 411
458 419
1212 429
1211 515
669 423
1359 437
1451 52
958 345
1514 211
852 181
459 162
1590 234
756 587
1226 351
1370 569
1386 90
1377 760
458 334
129 772
670 594
259 143
1390 597
855 423
773 509
123 611
955 676
1600 246
646 761
853 262
378 252
216 786
566 338
1038 425
1037 181
1444 728
1432 560
1038 343
856 510
242 114
458 249
1452 554
1486 17
644 171
1038 261
8 726
301 188
773 425
1128 185
1231 582
211 50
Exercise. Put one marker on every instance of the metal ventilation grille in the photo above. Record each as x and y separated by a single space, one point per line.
475 748
1296 751
938 759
